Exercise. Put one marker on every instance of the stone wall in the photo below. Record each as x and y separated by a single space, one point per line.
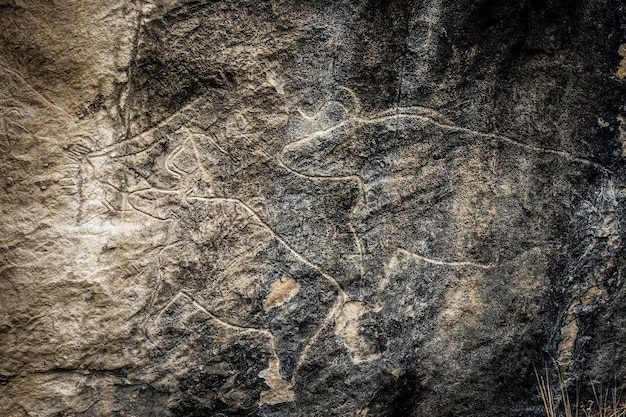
320 208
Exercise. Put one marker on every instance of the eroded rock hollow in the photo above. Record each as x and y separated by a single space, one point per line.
309 208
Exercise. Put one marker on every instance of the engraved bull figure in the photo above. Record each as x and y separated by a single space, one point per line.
448 194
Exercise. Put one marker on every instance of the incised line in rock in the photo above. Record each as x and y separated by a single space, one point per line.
141 141
32 89
127 90
342 295
443 262
270 372
9 125
417 113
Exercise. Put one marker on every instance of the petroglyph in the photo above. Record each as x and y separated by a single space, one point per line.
10 124
337 137
78 151
196 164
441 262
224 292
221 295
201 161
417 173
188 164
307 208
395 154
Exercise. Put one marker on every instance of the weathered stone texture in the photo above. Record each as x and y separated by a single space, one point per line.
321 208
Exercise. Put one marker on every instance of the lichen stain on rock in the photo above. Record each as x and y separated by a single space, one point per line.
280 391
281 291
622 129
348 328
621 70
581 305
569 333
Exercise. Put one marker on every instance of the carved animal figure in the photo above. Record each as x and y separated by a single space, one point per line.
221 256
445 193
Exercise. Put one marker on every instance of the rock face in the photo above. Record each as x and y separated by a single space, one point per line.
321 208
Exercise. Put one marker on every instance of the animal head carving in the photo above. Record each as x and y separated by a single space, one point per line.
362 145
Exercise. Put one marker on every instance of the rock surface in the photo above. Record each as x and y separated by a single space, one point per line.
324 208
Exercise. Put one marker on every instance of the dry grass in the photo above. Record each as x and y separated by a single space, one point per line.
606 403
